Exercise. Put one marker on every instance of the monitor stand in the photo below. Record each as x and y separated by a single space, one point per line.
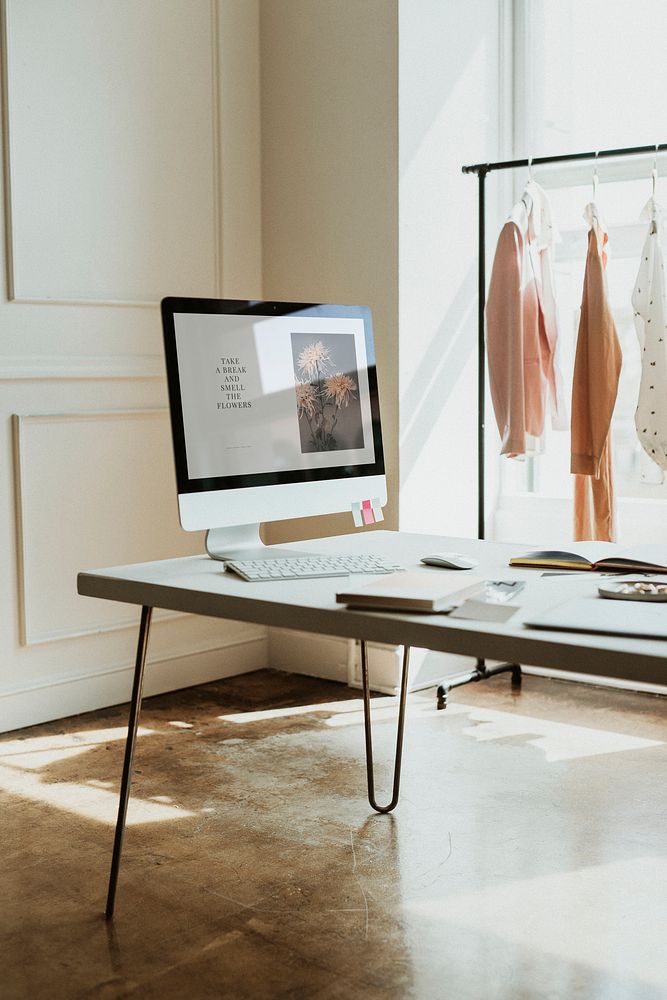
242 541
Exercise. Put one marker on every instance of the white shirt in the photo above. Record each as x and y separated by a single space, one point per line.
543 235
650 308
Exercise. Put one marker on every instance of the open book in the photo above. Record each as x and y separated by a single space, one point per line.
425 591
601 556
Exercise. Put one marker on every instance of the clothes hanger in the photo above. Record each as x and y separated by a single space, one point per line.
595 178
527 197
654 172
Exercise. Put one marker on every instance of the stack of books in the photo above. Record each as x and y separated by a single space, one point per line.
426 592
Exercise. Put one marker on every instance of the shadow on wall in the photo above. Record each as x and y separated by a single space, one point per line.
439 371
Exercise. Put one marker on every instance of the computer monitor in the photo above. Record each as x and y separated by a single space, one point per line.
274 414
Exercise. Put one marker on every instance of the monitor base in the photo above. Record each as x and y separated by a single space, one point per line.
242 541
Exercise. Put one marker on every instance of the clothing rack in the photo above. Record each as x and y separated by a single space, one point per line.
482 169
481 671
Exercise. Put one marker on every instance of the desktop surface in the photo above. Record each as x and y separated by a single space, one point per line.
200 585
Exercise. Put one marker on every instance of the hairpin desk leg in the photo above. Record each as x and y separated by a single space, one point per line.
399 733
133 722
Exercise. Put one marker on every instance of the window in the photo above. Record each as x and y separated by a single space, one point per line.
594 71
587 75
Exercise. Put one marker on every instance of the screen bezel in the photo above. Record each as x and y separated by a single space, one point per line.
172 304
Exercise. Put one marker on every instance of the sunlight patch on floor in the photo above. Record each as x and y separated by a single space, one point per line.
40 751
382 710
25 773
557 740
89 801
332 707
609 917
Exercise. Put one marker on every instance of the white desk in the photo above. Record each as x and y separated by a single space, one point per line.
198 585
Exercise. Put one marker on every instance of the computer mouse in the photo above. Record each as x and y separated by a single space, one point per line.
450 560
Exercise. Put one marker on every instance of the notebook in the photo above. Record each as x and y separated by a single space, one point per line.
600 556
430 591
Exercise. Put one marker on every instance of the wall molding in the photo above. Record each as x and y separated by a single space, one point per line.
122 624
217 140
4 125
57 367
107 303
9 210
29 636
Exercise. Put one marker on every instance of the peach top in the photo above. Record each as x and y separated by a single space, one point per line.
597 368
522 328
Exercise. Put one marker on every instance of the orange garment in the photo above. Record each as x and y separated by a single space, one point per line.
521 328
597 368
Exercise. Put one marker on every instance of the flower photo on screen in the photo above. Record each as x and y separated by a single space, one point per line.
327 392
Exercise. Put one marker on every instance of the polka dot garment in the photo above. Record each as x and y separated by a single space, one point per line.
650 309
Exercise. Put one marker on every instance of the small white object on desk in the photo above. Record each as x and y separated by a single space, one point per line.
492 605
634 590
449 560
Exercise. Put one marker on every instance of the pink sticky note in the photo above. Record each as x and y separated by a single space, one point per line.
366 504
368 515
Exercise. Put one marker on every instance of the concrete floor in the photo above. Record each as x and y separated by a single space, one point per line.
527 857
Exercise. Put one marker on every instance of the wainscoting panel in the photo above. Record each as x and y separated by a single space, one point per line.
92 489
112 149
131 169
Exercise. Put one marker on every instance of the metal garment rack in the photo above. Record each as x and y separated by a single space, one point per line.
481 671
482 169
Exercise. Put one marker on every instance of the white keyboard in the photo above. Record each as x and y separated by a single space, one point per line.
309 567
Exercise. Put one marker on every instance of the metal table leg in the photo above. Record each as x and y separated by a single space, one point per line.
133 722
399 733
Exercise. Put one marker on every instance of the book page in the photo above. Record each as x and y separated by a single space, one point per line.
594 551
591 552
655 555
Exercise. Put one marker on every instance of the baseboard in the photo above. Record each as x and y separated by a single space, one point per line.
60 697
325 656
426 668
339 659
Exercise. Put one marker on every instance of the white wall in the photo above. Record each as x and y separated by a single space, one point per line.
131 170
330 183
369 111
449 114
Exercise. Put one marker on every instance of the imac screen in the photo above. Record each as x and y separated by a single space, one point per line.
280 397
